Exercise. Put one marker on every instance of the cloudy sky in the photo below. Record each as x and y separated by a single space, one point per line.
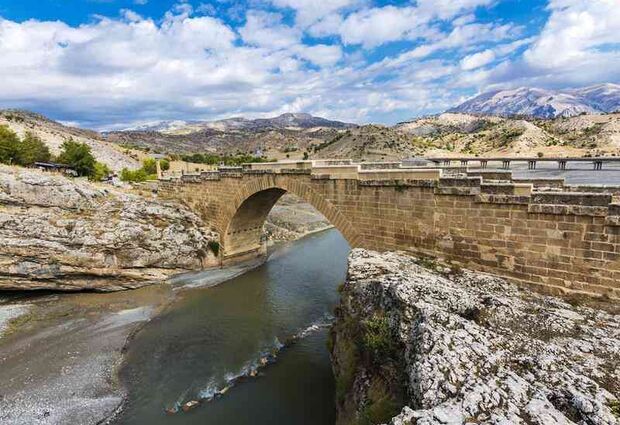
112 63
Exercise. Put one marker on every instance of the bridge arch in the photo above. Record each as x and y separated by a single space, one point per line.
241 228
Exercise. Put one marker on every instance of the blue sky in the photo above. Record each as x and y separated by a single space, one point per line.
114 63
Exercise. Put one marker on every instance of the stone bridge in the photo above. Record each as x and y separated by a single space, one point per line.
551 236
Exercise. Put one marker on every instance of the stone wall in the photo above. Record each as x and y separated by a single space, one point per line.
555 241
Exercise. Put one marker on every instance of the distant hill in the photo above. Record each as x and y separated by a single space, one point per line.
284 121
54 134
372 143
285 136
540 103
454 133
292 136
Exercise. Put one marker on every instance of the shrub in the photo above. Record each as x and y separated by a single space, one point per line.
101 171
164 164
31 150
78 156
135 176
214 246
9 145
377 338
149 166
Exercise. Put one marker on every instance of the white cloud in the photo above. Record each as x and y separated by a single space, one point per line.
184 66
573 32
310 11
448 9
373 27
477 60
320 54
266 30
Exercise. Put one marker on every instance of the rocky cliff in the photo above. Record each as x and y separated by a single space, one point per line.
62 234
431 345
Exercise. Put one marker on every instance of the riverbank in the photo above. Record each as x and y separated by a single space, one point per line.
420 342
60 353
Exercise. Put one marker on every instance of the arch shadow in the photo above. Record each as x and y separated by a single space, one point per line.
241 237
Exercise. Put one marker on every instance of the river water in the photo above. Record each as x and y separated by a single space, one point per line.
209 336
279 311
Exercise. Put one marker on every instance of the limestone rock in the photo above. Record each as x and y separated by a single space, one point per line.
468 348
63 234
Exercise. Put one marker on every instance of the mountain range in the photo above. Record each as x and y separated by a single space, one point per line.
525 121
542 103
285 121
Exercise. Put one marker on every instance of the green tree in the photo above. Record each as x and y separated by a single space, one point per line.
9 145
101 172
78 156
134 175
149 165
31 150
164 164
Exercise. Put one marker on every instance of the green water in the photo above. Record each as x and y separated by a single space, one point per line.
213 334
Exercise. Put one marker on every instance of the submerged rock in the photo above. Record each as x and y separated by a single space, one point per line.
190 405
413 346
63 234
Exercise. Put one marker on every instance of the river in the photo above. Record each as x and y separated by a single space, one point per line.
211 335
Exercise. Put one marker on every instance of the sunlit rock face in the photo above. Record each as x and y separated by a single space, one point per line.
420 343
63 234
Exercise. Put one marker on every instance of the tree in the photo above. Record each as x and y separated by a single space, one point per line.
164 164
149 165
9 145
101 172
31 150
134 175
78 156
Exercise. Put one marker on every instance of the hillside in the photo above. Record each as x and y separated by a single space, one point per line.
285 136
440 135
293 121
540 103
54 134
452 133
371 143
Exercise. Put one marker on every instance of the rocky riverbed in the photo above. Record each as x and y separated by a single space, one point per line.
418 343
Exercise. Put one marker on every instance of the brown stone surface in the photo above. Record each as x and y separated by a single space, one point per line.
555 242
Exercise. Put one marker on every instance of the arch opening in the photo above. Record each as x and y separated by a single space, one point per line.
243 236
242 227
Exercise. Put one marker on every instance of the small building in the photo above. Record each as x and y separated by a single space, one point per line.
56 167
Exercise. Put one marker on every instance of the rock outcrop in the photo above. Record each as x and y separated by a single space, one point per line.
434 345
62 234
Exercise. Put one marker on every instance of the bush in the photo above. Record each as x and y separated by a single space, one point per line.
22 152
164 164
377 338
149 165
9 145
136 176
31 150
101 172
213 159
214 246
78 156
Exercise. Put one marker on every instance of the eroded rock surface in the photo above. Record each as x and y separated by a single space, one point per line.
63 234
417 346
